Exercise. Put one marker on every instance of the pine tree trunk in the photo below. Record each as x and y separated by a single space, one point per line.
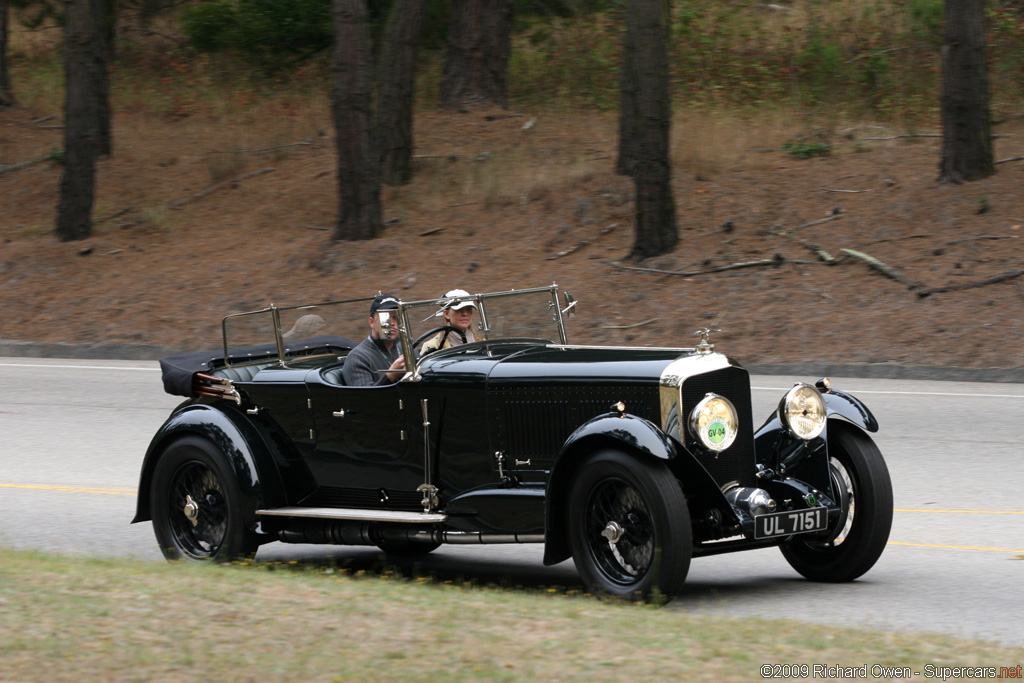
359 216
104 18
656 231
966 131
6 94
476 67
396 93
628 104
81 122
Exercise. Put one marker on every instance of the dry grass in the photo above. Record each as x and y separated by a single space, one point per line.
84 619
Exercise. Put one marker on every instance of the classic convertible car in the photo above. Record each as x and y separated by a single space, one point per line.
631 461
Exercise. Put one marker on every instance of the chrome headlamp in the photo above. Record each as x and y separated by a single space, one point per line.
713 422
802 411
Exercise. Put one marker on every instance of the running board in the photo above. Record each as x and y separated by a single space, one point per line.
363 515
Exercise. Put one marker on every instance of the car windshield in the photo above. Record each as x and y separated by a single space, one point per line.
252 337
332 328
500 315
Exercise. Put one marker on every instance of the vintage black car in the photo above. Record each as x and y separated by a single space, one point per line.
631 461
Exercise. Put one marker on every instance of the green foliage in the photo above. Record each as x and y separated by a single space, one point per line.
927 20
806 150
274 33
57 156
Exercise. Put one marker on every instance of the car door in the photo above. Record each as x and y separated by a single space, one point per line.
362 440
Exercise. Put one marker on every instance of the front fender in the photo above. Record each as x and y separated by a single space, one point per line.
838 404
248 452
850 408
628 433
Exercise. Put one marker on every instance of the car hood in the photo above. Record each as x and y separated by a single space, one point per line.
566 363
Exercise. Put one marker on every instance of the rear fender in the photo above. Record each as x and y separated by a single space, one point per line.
250 454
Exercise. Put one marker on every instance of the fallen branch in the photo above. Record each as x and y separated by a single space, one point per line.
908 135
582 243
576 247
882 268
978 238
23 164
898 239
629 327
213 188
825 189
777 260
112 216
818 251
971 285
819 221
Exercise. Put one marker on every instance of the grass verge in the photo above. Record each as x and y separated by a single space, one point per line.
64 619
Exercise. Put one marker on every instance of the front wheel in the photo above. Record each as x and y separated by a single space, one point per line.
861 481
629 527
197 507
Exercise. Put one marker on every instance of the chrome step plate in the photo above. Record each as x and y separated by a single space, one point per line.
364 515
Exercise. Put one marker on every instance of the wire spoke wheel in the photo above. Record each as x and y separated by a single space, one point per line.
860 482
194 488
197 508
629 526
619 533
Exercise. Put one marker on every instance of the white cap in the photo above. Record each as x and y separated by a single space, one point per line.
456 299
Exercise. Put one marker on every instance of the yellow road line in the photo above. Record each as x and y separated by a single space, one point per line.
963 512
74 489
958 547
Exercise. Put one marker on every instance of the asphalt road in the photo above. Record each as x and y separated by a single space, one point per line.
74 432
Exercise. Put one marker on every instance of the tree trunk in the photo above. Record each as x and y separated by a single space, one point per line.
81 121
6 94
396 93
966 132
104 18
628 104
656 231
351 98
476 67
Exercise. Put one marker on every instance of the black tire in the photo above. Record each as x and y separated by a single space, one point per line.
629 527
192 471
857 540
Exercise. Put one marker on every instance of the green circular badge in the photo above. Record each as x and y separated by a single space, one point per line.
716 430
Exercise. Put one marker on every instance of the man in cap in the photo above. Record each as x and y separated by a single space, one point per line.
378 350
457 308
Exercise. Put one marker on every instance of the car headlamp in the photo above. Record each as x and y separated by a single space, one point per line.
713 422
802 411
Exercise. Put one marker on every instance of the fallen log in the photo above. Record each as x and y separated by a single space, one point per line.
882 268
213 188
971 285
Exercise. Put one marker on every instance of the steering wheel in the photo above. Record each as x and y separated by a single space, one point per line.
447 330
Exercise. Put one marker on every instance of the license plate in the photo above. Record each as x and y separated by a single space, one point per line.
789 523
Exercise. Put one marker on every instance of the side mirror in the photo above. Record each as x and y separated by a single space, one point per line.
570 305
384 318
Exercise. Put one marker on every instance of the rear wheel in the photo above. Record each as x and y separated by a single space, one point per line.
629 527
197 508
861 481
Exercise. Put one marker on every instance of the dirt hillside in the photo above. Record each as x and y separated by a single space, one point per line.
497 204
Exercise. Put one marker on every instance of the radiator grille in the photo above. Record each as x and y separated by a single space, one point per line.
735 463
